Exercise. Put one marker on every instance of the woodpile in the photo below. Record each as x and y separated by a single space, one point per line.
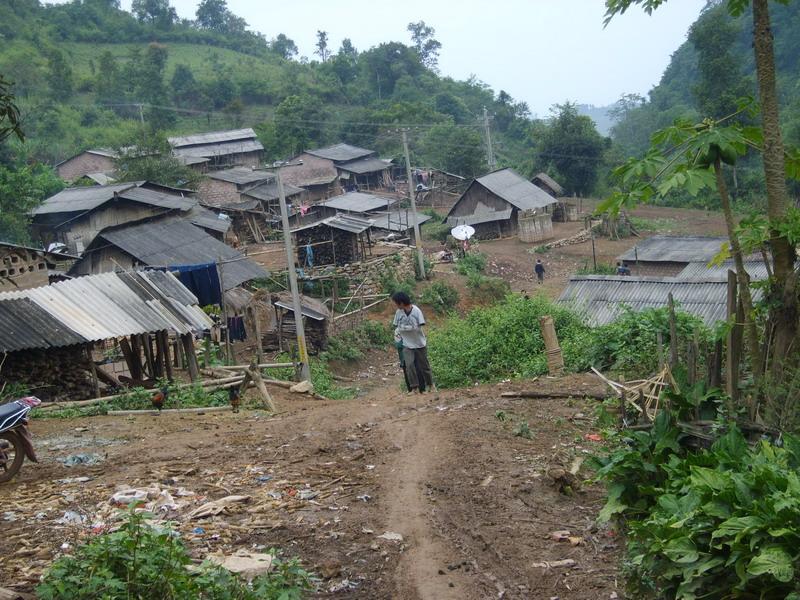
52 374
579 238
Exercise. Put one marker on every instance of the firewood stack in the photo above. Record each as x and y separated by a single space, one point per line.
52 374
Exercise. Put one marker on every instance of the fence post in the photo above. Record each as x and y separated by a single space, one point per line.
734 341
555 361
673 334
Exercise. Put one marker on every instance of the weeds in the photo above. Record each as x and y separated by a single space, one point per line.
543 249
441 297
522 430
140 561
489 289
600 269
473 262
350 345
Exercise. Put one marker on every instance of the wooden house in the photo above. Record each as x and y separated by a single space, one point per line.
667 256
548 184
504 204
22 267
337 240
75 216
221 148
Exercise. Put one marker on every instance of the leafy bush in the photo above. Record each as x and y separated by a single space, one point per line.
390 284
140 561
718 523
321 378
441 297
543 249
428 268
473 262
489 289
503 340
601 269
352 343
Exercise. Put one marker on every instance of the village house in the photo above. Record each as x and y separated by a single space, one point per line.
504 204
169 243
75 216
337 240
95 162
48 334
357 203
389 219
22 267
666 256
221 148
548 184
318 176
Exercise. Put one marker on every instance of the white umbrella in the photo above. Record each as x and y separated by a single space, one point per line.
462 232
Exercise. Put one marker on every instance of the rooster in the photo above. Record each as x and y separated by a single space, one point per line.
233 396
159 398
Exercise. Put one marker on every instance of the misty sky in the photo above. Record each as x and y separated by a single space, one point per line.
540 51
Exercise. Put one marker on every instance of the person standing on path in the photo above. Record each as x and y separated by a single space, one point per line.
539 268
408 323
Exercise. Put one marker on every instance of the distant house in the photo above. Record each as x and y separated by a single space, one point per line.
339 166
388 218
358 203
222 148
223 188
548 184
164 243
88 162
756 269
666 256
338 240
397 223
75 216
600 299
503 204
22 267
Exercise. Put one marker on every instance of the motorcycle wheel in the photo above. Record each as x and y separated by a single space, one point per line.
14 455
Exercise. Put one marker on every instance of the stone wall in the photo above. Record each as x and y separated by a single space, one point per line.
52 374
399 265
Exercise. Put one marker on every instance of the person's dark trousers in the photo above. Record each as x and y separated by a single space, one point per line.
418 369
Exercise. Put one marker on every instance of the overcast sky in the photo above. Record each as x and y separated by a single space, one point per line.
540 51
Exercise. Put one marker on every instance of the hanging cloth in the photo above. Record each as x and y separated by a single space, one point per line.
202 280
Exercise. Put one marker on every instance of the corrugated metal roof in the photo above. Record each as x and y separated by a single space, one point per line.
311 307
359 202
100 178
549 182
212 137
341 221
480 217
81 199
398 222
341 152
192 160
24 325
515 189
668 248
208 219
221 149
268 191
241 175
56 255
366 165
176 242
703 271
600 298
98 307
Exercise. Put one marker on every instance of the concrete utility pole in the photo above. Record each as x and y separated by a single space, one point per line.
489 149
412 195
305 371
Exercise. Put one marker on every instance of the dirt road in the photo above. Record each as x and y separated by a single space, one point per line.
335 483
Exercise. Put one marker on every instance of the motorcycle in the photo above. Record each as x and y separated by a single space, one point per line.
15 437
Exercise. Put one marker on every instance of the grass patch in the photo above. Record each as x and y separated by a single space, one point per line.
474 262
350 345
441 297
601 269
658 224
488 289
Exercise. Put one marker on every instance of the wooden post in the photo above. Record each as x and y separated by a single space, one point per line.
259 339
167 362
180 361
93 370
555 361
673 334
191 358
732 362
206 350
660 350
148 354
715 366
176 354
131 358
255 376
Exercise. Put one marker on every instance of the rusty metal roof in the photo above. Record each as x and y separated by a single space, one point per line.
600 298
548 181
97 307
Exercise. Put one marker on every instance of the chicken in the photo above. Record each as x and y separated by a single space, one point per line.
233 396
159 398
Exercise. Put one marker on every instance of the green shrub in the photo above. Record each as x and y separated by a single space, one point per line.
321 378
717 524
502 341
601 269
390 284
350 344
473 262
486 288
543 249
140 561
441 297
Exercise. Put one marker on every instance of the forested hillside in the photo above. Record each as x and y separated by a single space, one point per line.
709 72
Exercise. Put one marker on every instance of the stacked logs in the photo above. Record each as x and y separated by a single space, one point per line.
51 374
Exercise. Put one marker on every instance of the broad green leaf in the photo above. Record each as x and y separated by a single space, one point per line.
774 561
737 525
681 550
614 504
704 477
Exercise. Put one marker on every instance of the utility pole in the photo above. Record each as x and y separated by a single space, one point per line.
305 371
489 150
141 113
412 195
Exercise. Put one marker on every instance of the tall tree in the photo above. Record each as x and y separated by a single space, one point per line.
184 85
784 311
59 75
571 143
10 120
155 12
106 84
299 123
322 46
454 149
22 188
425 44
212 14
284 46
151 88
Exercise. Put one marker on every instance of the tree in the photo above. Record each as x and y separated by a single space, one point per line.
150 86
299 123
212 14
107 84
721 85
784 311
345 63
322 46
59 75
10 121
453 106
155 12
148 157
454 149
425 44
572 145
22 188
284 46
184 85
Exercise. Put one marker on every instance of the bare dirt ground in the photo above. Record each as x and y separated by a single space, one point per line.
475 504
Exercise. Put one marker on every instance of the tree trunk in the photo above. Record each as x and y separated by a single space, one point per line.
784 315
742 278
